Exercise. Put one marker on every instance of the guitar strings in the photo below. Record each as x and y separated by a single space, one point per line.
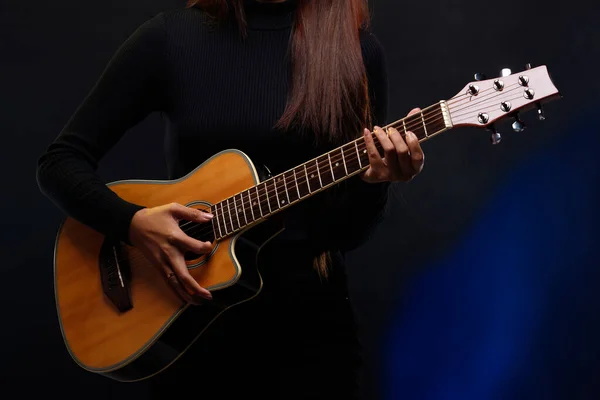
311 169
266 191
289 183
432 116
316 166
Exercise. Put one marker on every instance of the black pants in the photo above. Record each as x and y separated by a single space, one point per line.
296 340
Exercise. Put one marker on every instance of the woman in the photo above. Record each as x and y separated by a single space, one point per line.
283 81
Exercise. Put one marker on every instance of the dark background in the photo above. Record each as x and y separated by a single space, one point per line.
482 282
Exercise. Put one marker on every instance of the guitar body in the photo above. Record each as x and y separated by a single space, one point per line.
135 341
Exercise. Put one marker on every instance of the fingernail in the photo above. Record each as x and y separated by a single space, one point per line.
366 132
209 215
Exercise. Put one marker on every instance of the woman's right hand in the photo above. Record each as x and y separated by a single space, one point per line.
156 233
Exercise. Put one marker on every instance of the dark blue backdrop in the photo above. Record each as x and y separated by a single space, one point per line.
513 311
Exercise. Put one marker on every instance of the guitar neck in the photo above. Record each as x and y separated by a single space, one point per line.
290 187
479 104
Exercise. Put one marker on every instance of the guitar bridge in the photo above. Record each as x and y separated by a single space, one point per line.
115 274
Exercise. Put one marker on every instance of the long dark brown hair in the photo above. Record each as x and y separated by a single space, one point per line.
329 90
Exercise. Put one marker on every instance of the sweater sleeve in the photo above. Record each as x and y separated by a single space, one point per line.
130 87
359 206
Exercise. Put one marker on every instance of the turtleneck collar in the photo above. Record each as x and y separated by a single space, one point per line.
269 16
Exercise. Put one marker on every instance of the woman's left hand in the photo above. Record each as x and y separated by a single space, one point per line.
403 157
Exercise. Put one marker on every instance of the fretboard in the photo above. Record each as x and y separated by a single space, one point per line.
288 188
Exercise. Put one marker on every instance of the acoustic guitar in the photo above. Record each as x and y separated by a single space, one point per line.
118 315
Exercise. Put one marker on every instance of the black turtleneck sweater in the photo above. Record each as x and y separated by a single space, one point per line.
215 91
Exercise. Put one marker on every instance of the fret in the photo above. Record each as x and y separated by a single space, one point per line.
424 126
344 159
224 222
302 184
243 206
331 166
351 160
237 214
297 185
266 191
271 201
358 155
307 181
259 201
287 193
230 218
216 214
276 192
236 218
250 203
325 169
280 190
364 156
336 161
318 172
277 205
313 178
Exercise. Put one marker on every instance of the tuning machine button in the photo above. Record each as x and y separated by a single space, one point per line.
479 77
505 72
540 112
529 93
518 125
523 80
528 66
495 137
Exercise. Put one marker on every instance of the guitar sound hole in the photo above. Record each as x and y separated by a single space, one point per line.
202 232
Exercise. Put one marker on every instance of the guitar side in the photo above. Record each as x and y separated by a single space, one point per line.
140 342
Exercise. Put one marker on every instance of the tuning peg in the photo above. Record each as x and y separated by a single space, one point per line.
518 125
528 66
540 112
479 77
496 137
505 72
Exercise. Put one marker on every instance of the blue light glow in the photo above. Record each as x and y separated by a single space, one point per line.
513 312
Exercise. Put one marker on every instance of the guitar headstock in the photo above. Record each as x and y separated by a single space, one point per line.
484 102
